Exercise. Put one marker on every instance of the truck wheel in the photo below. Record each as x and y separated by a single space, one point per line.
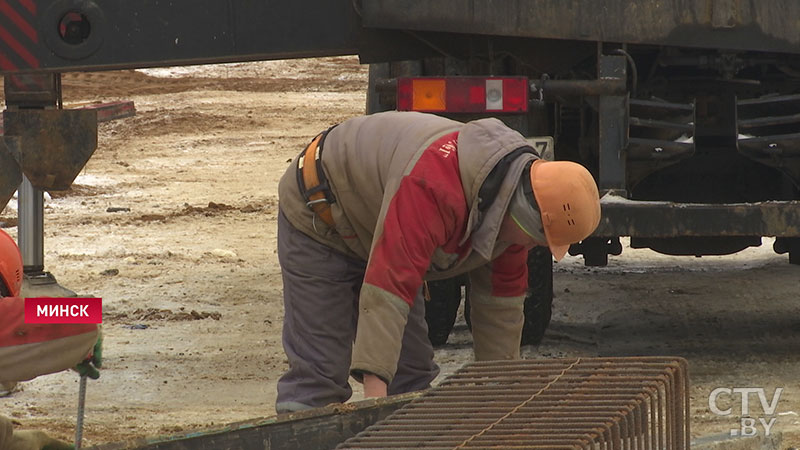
442 308
539 300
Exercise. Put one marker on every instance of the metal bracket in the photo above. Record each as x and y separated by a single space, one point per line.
54 144
10 173
613 135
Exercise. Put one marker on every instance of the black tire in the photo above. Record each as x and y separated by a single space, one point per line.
538 301
442 308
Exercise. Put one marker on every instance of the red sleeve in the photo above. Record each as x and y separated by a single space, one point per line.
14 330
427 211
510 272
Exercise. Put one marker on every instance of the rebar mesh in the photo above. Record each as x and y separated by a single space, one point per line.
584 403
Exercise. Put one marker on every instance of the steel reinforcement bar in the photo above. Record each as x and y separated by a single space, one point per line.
582 403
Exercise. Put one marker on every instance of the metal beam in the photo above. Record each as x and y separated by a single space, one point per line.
320 428
30 212
622 217
742 25
65 35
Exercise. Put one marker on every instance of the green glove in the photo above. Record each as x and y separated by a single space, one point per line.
90 365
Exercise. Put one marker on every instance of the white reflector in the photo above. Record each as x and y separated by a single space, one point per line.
494 95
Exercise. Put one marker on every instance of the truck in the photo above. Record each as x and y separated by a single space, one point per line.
686 112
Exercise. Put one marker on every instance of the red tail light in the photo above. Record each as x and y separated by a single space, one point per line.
463 94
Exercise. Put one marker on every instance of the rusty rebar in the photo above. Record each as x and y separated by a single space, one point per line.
631 403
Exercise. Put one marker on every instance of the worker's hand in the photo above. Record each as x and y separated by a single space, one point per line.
36 440
374 386
94 361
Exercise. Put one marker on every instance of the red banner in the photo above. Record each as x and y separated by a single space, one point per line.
63 310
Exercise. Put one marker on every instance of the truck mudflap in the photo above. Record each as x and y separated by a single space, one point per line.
656 219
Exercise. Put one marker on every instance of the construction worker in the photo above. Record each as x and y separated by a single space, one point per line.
30 350
377 205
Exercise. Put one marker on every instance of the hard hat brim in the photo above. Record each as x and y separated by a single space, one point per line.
558 251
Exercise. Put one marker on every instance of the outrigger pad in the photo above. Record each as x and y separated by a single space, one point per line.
10 173
55 144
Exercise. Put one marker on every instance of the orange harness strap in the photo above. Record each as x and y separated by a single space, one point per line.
317 194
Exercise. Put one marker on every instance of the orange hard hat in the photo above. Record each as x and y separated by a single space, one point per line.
568 201
10 264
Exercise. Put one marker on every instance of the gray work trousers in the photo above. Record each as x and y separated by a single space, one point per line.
320 298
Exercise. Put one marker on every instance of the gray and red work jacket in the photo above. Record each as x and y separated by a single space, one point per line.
30 350
419 197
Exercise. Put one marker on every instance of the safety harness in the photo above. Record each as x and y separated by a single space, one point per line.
312 180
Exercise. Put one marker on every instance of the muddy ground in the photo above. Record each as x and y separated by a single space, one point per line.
191 285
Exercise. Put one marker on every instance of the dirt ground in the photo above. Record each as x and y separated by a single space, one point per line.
191 285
